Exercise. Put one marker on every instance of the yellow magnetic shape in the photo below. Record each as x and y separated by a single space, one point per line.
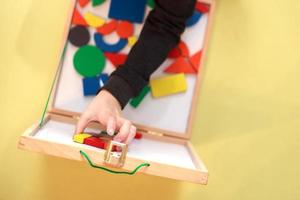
93 20
132 40
168 85
79 138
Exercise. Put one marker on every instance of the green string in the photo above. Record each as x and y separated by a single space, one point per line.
51 89
112 171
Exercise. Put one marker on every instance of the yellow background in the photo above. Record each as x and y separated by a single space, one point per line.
248 119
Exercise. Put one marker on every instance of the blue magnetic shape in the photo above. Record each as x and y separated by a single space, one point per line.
91 86
193 19
101 44
103 78
130 10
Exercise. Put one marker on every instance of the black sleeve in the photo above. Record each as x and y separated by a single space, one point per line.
161 32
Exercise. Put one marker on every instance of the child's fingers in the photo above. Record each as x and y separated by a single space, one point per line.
111 126
123 132
82 124
131 134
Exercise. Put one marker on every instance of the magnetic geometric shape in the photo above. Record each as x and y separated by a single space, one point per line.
89 61
195 60
202 7
93 20
125 29
180 50
151 3
130 10
108 27
116 59
103 78
132 40
91 86
168 85
79 36
193 19
138 99
78 19
79 138
138 135
97 2
83 3
181 65
95 142
101 44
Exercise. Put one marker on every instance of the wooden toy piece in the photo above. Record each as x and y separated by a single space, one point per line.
95 142
108 27
180 50
77 19
80 137
130 10
93 20
101 44
138 135
168 85
89 61
193 19
91 86
83 3
116 59
202 7
124 29
195 60
181 65
79 36
132 40
97 2
135 102
103 78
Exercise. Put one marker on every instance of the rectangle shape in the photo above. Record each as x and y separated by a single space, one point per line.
168 85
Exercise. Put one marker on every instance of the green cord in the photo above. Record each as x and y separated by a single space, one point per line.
112 171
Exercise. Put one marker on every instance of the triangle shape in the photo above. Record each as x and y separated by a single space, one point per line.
181 65
83 3
195 60
116 59
77 19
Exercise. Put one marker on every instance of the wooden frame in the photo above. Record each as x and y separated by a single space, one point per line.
199 175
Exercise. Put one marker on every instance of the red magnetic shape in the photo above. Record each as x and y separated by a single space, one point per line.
95 142
116 58
180 50
138 135
78 19
83 3
202 7
181 65
195 60
108 27
125 29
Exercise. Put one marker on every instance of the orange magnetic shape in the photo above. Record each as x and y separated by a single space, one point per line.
116 58
125 29
83 3
78 19
181 65
202 7
108 27
180 50
195 60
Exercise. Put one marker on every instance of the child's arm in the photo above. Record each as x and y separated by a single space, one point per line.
161 33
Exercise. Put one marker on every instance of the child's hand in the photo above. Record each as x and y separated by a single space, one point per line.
106 109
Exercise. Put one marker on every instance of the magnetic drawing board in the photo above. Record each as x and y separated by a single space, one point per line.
169 113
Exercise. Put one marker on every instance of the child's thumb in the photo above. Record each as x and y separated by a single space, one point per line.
81 124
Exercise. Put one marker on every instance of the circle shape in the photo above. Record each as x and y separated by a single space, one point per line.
89 61
125 29
79 36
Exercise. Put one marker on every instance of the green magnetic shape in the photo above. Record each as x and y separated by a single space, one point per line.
138 99
89 61
97 2
151 3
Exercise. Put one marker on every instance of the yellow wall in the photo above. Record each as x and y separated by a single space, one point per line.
248 119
